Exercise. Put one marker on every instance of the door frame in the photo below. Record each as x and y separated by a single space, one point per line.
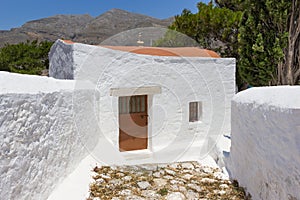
150 91
130 117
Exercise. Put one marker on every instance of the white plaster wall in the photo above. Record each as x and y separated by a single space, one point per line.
48 126
265 148
39 143
182 80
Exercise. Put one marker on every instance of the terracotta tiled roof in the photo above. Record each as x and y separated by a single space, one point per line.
167 51
68 42
163 51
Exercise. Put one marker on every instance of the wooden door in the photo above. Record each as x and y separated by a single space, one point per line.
133 123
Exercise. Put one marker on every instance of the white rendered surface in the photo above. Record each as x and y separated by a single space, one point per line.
265 142
39 144
182 80
31 84
172 137
49 126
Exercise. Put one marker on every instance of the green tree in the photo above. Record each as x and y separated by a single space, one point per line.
175 39
26 58
212 27
269 42
235 5
264 37
289 69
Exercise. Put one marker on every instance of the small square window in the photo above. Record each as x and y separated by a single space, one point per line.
195 111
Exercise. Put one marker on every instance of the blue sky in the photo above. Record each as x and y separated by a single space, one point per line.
14 13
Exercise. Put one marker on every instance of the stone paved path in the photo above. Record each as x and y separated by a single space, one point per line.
177 181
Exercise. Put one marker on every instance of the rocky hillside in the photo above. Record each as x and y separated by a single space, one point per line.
81 28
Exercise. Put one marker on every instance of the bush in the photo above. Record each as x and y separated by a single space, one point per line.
25 58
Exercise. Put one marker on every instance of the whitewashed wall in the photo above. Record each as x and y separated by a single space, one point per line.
47 126
265 148
209 80
39 146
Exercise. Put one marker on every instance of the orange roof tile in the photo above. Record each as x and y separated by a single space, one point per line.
68 41
167 51
163 51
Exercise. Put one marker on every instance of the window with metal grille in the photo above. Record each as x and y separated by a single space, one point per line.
132 104
195 111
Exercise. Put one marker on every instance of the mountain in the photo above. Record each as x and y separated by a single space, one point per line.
81 28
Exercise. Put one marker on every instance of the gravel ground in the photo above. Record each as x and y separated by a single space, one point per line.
177 181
